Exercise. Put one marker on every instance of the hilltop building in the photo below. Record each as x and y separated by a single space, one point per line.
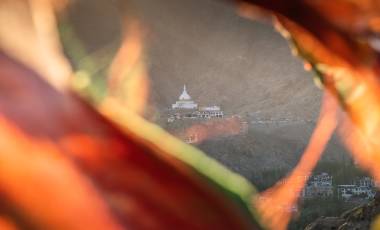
184 101
186 108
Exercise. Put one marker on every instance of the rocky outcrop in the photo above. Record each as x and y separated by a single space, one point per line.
359 218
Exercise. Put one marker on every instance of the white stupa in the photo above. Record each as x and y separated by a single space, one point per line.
184 101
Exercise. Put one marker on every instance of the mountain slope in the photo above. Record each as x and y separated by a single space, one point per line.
224 59
244 66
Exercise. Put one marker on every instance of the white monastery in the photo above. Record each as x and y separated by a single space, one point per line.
184 101
186 108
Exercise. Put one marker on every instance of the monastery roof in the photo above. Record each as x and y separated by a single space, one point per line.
184 95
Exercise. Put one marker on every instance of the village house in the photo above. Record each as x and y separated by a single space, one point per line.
320 185
190 139
361 188
365 181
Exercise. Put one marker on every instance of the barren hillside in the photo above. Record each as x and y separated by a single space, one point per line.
244 66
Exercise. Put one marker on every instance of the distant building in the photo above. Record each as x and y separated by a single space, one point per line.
361 188
190 139
345 191
186 108
365 181
184 101
209 112
320 185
